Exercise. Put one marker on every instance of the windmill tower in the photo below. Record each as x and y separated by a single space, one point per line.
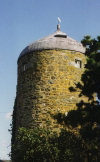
46 70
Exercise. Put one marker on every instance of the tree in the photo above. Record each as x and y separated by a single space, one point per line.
39 145
91 76
34 145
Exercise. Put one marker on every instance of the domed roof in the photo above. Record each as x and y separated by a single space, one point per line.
57 40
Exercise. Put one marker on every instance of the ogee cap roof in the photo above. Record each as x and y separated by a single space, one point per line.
57 40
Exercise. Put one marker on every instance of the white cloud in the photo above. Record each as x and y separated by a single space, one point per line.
8 116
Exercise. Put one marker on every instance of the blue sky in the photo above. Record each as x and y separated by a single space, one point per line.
22 22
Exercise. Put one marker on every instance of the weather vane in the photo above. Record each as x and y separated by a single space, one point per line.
58 25
59 20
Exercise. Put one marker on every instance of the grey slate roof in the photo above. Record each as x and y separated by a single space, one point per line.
57 40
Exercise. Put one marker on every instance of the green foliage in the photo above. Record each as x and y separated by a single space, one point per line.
39 145
70 147
33 145
91 76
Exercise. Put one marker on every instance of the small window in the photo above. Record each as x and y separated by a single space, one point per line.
24 67
60 36
78 63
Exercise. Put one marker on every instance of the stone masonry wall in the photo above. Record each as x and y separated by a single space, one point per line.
44 78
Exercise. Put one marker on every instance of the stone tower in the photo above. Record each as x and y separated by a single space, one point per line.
46 70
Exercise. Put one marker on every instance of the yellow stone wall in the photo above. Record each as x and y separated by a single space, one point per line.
44 78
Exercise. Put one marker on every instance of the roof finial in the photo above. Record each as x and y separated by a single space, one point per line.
58 25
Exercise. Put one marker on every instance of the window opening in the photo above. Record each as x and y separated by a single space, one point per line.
78 63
